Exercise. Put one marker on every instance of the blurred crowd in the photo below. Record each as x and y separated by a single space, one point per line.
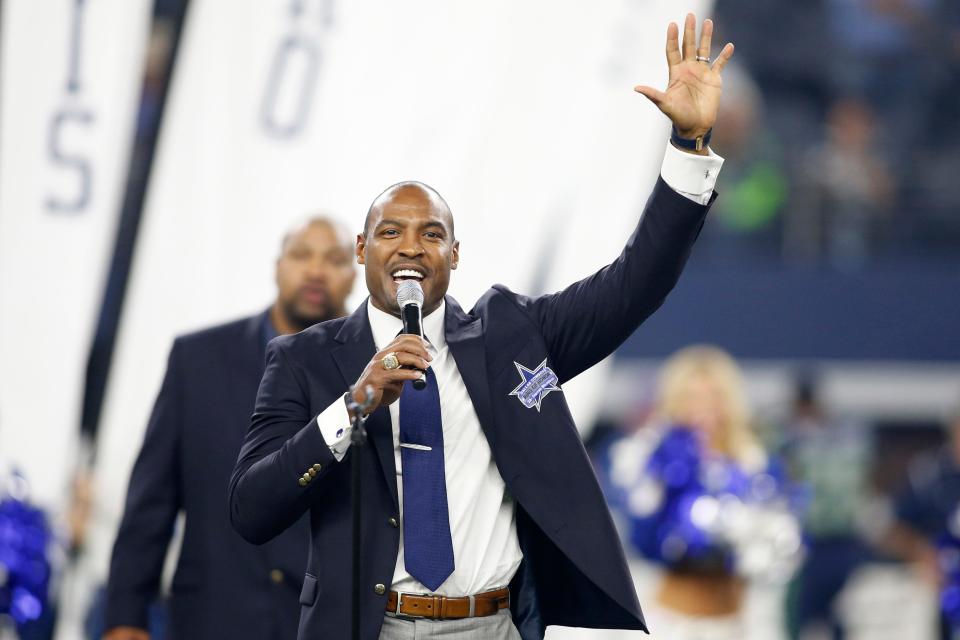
853 525
837 125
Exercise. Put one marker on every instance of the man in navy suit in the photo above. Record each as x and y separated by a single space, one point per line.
481 514
223 586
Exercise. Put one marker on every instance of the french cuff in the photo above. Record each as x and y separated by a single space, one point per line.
692 176
334 423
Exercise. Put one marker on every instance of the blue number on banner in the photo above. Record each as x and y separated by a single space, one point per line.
76 162
281 69
285 85
76 38
66 117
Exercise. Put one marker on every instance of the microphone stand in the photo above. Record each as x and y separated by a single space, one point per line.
358 440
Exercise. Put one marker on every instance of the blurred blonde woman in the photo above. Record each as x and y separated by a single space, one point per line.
700 501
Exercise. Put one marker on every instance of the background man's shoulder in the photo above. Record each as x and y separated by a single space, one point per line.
319 336
227 332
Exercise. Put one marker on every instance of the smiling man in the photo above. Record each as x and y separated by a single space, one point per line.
482 517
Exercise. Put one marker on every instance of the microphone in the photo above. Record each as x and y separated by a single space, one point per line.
410 300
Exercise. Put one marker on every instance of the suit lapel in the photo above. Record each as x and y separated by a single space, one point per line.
352 354
254 339
465 337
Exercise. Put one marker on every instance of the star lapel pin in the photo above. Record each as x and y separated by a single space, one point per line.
535 384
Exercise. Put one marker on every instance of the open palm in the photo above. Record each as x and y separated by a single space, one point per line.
692 97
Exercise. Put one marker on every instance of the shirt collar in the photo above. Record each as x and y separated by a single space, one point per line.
385 327
267 331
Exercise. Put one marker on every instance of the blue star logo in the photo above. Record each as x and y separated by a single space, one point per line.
535 384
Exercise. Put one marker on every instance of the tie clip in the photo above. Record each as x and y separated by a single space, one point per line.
418 447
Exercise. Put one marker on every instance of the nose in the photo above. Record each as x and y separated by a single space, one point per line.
317 269
410 246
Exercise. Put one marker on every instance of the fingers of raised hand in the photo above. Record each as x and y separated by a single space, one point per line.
725 54
706 35
673 44
655 96
689 37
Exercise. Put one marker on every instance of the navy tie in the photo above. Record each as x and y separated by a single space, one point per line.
427 544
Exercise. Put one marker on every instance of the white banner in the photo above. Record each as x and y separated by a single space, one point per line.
521 114
71 75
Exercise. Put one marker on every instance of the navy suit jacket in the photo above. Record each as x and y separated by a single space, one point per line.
223 587
574 572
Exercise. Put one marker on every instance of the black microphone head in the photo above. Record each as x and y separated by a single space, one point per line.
409 292
420 383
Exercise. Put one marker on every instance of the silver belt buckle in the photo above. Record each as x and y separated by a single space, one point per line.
399 601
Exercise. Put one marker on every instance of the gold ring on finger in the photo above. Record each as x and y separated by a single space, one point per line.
390 361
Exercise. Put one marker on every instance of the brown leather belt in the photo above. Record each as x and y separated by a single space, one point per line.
438 607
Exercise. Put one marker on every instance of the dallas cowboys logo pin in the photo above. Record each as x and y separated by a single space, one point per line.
535 384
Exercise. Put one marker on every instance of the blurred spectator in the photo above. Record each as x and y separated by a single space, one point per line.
896 66
753 183
702 499
790 68
929 508
832 459
222 587
884 52
848 193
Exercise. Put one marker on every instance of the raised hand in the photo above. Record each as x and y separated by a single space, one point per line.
692 97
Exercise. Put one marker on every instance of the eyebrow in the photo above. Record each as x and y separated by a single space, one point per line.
398 223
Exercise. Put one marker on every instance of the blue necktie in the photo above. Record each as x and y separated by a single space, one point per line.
427 544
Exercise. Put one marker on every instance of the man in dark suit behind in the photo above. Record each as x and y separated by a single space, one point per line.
482 517
223 586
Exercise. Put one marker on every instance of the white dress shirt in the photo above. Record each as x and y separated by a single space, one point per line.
482 516
482 521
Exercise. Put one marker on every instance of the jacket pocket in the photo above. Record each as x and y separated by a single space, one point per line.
309 592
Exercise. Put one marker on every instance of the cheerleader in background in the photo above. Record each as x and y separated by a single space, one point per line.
26 544
701 499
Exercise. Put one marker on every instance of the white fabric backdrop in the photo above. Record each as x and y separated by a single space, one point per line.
71 75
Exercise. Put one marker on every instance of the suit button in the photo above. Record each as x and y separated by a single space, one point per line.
302 482
393 523
379 589
312 472
306 477
317 467
276 576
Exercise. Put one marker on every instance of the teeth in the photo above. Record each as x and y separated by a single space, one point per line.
407 273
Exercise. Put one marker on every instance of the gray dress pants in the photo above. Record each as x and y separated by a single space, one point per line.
495 627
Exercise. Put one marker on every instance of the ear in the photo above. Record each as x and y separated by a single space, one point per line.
455 255
361 248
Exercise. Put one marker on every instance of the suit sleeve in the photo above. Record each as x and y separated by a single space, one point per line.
284 456
585 322
153 500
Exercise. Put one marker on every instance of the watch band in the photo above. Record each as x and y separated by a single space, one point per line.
697 144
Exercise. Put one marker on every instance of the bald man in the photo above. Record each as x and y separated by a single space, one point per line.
482 517
223 586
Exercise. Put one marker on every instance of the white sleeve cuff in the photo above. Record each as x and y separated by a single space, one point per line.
334 423
692 176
